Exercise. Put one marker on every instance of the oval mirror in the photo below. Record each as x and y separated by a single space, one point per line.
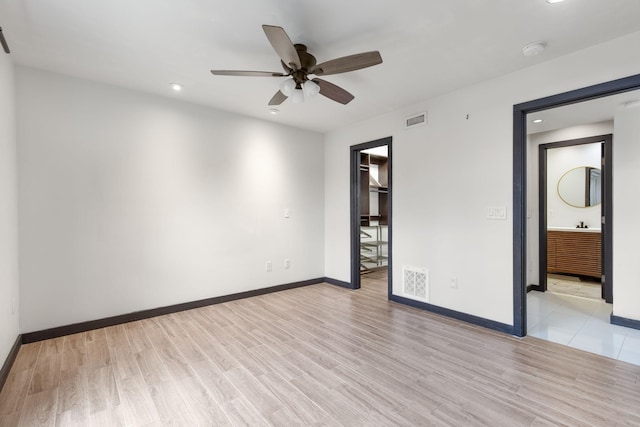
581 187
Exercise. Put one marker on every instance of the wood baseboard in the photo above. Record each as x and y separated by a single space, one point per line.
468 318
533 287
623 321
8 363
146 314
338 283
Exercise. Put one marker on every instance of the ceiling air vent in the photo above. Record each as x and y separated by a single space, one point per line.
414 121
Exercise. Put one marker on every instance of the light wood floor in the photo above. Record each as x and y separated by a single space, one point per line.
319 355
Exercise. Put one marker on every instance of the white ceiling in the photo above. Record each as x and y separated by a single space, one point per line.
582 113
428 47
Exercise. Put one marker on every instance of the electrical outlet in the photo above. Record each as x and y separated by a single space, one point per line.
287 263
287 213
453 284
269 266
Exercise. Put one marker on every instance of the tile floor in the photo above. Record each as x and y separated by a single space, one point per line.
581 323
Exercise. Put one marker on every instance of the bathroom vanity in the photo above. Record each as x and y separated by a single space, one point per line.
575 251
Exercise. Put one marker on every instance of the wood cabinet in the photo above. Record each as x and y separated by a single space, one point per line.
574 252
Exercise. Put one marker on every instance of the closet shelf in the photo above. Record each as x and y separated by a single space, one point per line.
374 243
374 208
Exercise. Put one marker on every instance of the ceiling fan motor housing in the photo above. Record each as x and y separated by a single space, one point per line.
307 63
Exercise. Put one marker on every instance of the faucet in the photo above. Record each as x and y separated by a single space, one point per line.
581 225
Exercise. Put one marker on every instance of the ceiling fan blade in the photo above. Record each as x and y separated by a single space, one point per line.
3 41
246 73
348 63
278 98
333 92
282 45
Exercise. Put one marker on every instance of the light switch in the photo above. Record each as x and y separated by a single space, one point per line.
497 212
286 213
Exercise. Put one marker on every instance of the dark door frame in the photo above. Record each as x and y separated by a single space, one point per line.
606 209
520 112
355 208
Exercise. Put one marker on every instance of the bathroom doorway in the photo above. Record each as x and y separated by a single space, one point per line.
371 226
620 95
575 199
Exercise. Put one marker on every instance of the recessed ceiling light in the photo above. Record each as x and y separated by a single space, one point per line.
533 49
176 86
554 1
632 104
538 121
273 111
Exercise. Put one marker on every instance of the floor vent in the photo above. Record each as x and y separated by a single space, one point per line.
416 283
417 120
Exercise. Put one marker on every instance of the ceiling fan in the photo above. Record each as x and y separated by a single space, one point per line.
300 64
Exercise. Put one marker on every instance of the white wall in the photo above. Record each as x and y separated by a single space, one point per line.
447 174
573 132
626 205
9 291
559 162
129 201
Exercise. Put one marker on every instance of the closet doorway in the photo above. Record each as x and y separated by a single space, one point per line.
371 191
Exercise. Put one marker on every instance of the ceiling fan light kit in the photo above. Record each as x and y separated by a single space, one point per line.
298 64
310 88
287 86
297 97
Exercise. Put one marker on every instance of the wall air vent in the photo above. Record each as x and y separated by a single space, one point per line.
414 121
415 283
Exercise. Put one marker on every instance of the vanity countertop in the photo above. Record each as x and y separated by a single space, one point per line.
580 230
